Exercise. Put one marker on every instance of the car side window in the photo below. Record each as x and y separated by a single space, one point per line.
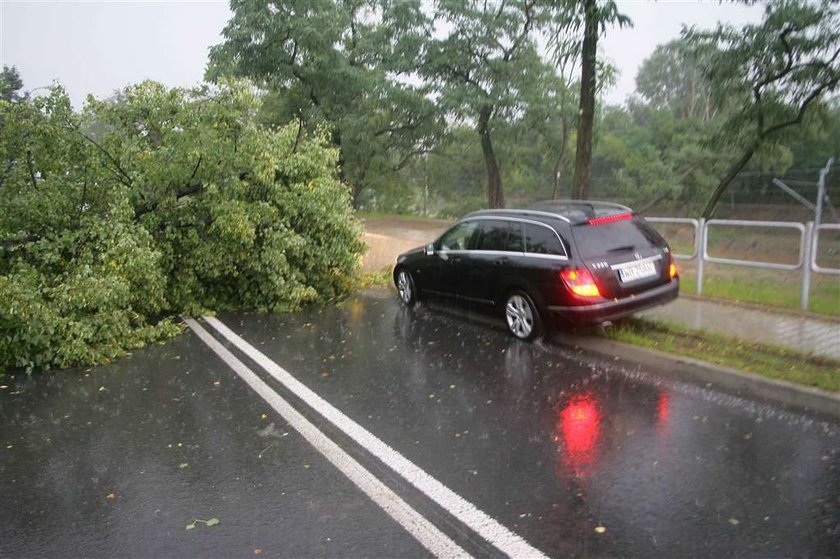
499 236
542 240
459 237
515 242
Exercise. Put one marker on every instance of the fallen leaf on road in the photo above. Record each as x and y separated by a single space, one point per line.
600 529
209 522
183 465
110 496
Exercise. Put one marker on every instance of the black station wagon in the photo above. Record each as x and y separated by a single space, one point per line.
572 262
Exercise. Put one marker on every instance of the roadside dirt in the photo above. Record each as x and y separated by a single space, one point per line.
388 237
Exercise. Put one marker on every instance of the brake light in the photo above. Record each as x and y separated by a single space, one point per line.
580 282
672 269
609 218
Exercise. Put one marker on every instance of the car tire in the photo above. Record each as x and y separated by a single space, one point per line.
522 316
406 289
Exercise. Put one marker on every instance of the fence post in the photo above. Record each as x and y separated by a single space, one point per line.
807 256
700 243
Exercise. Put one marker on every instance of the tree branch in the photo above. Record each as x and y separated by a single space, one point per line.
120 171
187 190
181 192
802 108
31 169
9 244
197 165
299 130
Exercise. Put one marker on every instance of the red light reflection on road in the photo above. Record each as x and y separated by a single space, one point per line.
579 428
663 409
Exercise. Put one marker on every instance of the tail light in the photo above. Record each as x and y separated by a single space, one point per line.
672 269
580 282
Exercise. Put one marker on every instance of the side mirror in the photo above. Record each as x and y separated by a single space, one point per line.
430 249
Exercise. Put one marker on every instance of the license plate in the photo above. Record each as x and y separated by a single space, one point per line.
636 272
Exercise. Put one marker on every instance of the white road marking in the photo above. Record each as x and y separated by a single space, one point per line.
487 527
416 524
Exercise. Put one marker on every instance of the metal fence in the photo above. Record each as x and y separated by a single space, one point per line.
806 260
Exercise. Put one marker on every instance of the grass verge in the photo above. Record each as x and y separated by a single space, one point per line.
762 359
825 295
378 278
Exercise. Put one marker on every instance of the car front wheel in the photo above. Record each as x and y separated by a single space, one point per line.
405 288
521 316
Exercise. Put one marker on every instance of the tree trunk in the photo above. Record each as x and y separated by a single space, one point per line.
583 155
730 175
561 160
495 194
355 189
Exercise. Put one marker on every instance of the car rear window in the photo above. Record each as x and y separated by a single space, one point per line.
542 240
627 234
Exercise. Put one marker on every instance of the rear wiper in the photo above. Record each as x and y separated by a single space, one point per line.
622 249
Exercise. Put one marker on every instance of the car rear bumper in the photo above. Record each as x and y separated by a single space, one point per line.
618 308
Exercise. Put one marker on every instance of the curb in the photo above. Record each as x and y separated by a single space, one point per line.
731 380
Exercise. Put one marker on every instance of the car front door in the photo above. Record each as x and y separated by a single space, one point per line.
450 254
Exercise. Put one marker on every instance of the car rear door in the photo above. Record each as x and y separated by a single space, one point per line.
625 255
545 256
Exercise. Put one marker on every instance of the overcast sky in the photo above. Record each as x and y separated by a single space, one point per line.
100 46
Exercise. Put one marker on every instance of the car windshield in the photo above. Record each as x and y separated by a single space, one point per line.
627 234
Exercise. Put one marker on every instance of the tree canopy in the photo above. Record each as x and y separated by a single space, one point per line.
770 74
154 203
337 64
10 84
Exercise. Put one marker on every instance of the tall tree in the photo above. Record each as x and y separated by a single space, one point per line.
482 66
772 72
10 84
339 62
553 114
591 18
674 76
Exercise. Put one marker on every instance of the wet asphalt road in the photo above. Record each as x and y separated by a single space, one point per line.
575 454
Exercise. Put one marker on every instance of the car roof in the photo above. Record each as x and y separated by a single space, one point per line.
571 211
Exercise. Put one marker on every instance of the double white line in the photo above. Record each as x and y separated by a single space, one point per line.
418 526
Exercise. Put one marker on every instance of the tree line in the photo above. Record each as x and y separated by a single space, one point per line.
407 88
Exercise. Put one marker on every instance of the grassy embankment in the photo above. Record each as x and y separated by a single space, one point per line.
772 288
825 294
763 359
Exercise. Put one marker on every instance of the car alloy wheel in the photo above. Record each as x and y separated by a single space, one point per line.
405 288
521 316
